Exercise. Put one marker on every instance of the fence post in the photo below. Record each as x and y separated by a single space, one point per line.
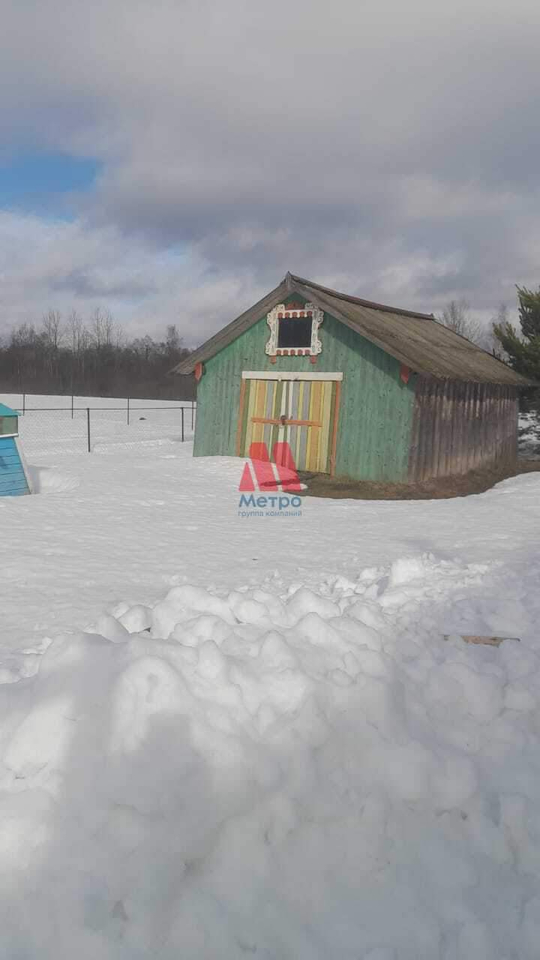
72 414
88 429
182 424
128 411
192 413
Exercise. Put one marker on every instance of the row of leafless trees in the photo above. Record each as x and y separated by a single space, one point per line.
64 355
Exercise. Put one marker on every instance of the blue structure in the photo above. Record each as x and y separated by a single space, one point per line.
13 476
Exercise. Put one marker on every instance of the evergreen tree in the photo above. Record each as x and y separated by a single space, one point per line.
529 312
523 351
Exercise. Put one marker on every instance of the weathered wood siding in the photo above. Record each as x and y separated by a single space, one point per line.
459 426
376 408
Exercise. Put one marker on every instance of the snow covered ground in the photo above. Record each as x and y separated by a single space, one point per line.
529 435
225 737
49 425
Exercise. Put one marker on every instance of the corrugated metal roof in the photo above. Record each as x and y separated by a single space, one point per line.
415 339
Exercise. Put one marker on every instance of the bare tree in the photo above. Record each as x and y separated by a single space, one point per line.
24 335
102 329
173 339
144 347
456 316
79 340
119 336
78 335
52 331
51 336
500 321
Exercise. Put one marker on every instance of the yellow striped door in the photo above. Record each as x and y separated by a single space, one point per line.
301 413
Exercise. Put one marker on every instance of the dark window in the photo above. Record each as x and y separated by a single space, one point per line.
294 332
8 425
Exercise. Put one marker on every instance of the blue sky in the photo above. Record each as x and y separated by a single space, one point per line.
44 182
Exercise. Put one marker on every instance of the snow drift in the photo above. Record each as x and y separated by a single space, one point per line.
47 480
308 775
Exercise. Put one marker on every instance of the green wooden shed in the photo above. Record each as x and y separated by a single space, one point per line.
356 388
14 481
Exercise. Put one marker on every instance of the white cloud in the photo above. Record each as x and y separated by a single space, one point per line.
385 147
77 266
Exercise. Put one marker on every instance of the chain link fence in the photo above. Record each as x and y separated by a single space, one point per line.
81 426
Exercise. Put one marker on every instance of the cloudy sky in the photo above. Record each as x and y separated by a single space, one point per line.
170 160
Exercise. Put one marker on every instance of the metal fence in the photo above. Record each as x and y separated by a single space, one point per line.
76 427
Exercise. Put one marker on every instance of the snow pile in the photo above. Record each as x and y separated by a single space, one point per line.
307 775
47 480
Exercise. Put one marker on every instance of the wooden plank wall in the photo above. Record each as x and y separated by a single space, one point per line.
13 481
459 426
375 412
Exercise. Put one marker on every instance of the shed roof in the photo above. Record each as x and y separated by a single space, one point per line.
415 339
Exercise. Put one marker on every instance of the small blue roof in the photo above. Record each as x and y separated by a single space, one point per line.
7 411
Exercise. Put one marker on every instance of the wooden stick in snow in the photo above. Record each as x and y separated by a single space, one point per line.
475 638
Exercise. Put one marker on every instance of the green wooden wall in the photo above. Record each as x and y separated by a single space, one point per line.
376 407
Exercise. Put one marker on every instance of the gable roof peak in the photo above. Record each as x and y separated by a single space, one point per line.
414 339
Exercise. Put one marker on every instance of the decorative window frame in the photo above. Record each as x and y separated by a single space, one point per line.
281 312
